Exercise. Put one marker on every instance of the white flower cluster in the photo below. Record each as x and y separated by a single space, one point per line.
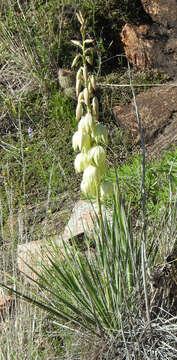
90 134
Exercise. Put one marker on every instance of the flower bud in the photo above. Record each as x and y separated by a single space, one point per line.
95 107
77 43
86 97
93 82
82 28
90 89
79 74
78 87
80 17
88 41
85 73
78 111
74 63
81 162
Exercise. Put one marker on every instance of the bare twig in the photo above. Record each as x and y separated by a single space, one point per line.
170 193
143 246
138 85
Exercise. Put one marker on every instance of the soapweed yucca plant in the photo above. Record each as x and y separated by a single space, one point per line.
91 291
98 293
97 296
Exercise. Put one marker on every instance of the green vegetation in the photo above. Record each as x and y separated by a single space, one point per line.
30 166
160 174
100 302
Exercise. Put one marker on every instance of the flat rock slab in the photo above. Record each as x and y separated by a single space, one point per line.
29 254
81 220
33 253
7 306
6 302
158 110
46 218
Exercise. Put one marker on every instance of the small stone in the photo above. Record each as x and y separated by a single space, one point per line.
66 78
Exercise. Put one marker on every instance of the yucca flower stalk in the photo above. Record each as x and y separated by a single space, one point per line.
90 135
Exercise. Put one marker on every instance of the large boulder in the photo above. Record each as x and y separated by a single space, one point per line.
154 45
158 111
137 48
161 11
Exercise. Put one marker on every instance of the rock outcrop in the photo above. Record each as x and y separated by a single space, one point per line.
154 45
158 110
162 11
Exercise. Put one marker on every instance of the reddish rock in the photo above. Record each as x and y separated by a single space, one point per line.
29 254
5 301
158 110
80 220
137 49
33 253
7 304
161 11
154 44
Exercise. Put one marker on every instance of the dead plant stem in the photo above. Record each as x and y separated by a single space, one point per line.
143 245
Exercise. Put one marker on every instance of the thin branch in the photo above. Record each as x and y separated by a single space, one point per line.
138 85
170 196
143 245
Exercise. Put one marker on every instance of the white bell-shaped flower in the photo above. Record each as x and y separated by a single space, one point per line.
80 141
91 179
97 155
86 124
88 188
81 162
100 134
